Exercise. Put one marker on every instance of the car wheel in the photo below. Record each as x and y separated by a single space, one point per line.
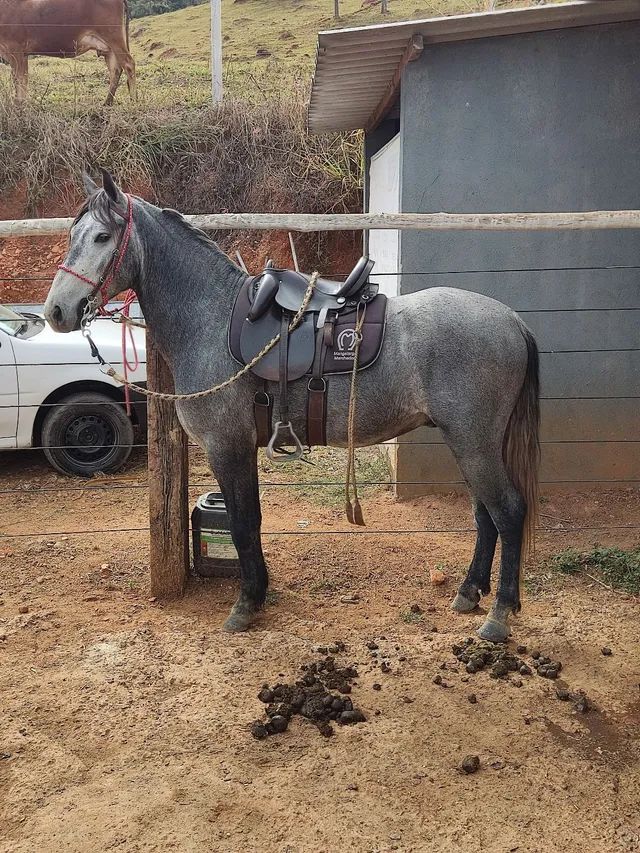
87 433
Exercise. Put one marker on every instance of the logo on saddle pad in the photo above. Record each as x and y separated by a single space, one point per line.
346 344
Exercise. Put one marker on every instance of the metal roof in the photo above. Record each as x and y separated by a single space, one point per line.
355 67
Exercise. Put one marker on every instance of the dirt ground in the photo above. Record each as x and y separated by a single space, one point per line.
124 722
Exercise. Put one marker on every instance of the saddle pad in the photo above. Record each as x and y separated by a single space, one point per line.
339 357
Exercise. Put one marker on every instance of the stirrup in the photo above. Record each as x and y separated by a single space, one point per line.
275 452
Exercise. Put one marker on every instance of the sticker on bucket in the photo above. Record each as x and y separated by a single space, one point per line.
218 544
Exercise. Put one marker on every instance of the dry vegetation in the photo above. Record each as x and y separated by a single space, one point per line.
240 156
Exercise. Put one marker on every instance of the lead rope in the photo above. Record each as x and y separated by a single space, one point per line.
353 509
163 395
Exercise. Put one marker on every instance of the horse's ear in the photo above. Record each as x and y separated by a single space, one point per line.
90 185
112 189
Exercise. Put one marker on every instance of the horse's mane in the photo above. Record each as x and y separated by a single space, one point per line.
200 235
100 205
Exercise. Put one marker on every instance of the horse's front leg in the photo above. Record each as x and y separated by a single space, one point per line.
236 470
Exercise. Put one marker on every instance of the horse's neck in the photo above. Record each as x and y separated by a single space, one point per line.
187 290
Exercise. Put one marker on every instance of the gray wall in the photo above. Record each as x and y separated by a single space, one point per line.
537 122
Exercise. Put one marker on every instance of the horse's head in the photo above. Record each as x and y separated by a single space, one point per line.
94 268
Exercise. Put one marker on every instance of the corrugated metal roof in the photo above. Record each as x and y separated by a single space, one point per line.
354 67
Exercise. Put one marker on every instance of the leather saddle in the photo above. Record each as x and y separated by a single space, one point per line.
321 345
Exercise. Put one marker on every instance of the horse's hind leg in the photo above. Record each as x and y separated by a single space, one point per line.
478 579
508 512
489 482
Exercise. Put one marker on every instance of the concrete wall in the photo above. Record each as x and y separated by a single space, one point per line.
536 122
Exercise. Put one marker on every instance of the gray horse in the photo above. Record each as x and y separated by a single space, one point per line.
452 359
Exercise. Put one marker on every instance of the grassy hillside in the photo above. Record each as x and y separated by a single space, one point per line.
267 44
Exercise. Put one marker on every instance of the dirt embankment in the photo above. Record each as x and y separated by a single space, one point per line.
28 264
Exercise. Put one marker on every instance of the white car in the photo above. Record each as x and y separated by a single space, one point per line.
53 395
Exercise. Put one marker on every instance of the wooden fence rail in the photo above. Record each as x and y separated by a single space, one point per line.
576 221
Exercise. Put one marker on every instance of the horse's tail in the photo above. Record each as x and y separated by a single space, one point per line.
521 445
127 20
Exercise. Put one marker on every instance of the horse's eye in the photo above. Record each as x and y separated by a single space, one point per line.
102 238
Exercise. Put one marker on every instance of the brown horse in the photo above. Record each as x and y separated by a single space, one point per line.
66 28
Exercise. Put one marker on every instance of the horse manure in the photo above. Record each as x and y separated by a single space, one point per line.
385 666
437 679
476 654
499 670
563 694
277 724
470 764
266 695
472 698
347 718
377 686
582 705
372 645
259 731
606 651
310 697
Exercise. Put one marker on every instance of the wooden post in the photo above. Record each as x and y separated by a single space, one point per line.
168 484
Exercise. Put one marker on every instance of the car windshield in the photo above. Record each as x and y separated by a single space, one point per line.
10 321
21 324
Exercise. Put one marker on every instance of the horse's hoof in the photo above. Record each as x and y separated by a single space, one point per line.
462 604
493 631
238 620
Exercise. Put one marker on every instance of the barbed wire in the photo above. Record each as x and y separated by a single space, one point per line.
327 532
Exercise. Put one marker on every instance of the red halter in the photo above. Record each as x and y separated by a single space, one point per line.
106 280
102 287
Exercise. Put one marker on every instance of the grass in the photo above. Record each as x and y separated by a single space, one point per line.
614 566
411 618
328 465
172 50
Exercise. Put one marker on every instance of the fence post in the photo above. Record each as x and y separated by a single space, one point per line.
168 484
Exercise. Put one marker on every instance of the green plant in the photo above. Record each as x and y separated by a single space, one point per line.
410 617
618 567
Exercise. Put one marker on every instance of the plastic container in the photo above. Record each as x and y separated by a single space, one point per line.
214 554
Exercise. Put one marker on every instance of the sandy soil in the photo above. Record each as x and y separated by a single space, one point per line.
124 723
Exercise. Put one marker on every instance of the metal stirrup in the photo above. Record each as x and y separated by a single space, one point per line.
275 452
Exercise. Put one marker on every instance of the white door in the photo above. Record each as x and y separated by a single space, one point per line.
384 197
8 393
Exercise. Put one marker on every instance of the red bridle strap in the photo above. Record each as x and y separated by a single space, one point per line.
102 287
105 283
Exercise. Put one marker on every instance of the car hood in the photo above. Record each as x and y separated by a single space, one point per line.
49 347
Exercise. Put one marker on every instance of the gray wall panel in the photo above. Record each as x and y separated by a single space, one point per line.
573 420
537 122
